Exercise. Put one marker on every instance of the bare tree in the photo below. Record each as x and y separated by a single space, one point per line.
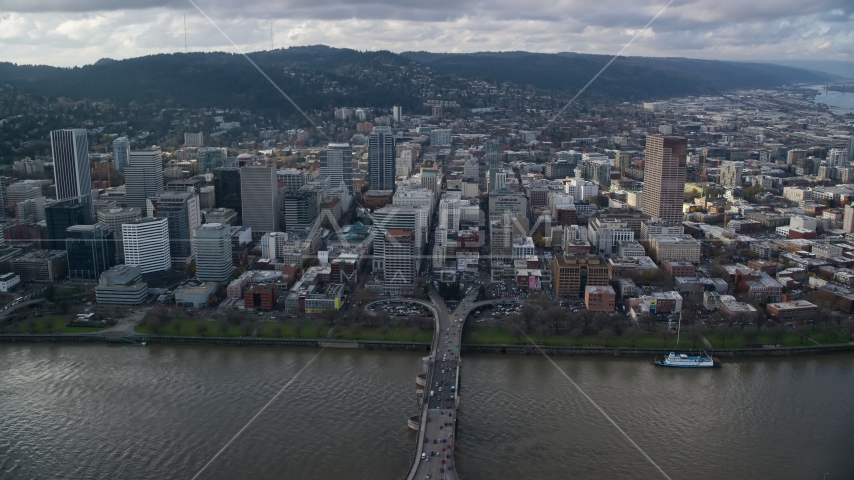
664 334
223 326
631 335
277 331
413 331
847 327
803 332
723 332
694 334
297 329
176 326
384 331
153 324
751 334
777 332
201 328
246 328
606 334
356 330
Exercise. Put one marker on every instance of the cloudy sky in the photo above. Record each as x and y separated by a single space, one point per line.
78 32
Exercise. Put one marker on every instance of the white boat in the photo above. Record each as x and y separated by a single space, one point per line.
688 361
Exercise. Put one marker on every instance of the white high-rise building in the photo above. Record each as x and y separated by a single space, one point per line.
837 157
143 177
730 174
273 245
121 153
580 189
72 175
194 139
605 235
146 244
115 218
848 219
336 163
399 255
213 252
401 218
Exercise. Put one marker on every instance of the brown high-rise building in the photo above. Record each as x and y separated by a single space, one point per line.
664 177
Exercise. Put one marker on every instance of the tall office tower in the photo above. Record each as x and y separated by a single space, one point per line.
440 137
115 218
381 159
70 149
59 217
182 210
301 209
848 219
146 244
336 163
5 182
795 154
623 162
91 250
850 148
501 237
492 163
227 188
396 113
260 198
194 139
399 254
398 218
121 153
213 252
730 173
664 177
292 179
210 158
143 177
837 157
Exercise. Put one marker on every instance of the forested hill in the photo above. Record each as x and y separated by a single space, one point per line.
323 77
315 77
627 78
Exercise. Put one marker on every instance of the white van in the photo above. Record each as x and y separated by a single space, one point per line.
431 393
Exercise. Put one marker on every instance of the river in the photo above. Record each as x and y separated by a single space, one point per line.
106 411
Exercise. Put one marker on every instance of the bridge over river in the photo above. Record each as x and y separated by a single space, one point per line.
436 423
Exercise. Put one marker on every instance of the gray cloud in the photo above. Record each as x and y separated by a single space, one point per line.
69 32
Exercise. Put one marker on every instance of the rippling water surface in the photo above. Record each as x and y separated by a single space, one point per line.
770 418
99 411
70 411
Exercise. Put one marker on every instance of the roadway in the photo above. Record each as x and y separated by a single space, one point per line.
434 457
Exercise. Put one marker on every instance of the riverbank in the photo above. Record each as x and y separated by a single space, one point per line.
523 349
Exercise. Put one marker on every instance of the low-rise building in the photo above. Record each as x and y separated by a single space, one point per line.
121 285
795 310
674 247
261 296
8 281
736 311
678 268
599 298
194 294
41 266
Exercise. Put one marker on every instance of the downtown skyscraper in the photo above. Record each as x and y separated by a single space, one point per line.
70 150
260 199
336 162
381 168
664 177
